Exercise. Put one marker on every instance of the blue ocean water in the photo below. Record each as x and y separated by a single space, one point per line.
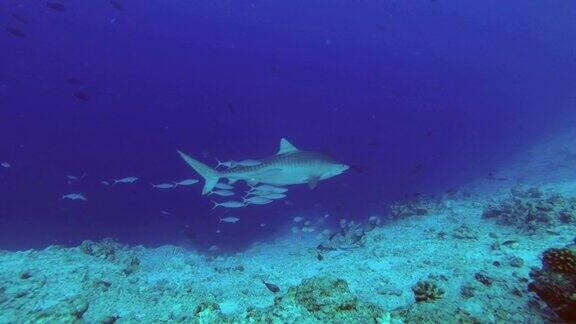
419 97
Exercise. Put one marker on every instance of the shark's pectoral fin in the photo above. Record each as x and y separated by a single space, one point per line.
313 182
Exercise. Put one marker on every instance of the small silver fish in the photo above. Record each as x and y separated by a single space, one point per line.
125 180
249 162
224 193
298 219
229 204
74 196
229 219
228 164
106 183
5 165
274 196
257 200
186 182
223 186
268 188
163 186
72 178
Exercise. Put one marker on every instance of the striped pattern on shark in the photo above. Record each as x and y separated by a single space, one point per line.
289 166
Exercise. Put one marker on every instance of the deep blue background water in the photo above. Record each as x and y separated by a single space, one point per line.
419 96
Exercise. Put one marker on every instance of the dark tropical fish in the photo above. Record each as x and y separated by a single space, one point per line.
81 95
492 177
15 32
19 18
272 287
190 235
231 108
57 6
417 168
73 81
117 5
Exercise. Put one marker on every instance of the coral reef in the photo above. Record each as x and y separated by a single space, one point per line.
531 209
315 300
560 260
426 291
555 283
409 208
67 311
351 235
444 311
112 251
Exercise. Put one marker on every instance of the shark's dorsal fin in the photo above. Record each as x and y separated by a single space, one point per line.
286 147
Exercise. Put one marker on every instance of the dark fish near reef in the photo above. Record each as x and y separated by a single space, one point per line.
73 81
81 95
231 108
57 6
19 18
117 5
15 32
272 287
494 178
190 236
417 169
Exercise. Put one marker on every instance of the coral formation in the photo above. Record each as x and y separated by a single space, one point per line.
560 260
426 291
484 278
68 311
464 232
532 209
555 283
443 311
112 251
319 299
351 235
409 208
315 300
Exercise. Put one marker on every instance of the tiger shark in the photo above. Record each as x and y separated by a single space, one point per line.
288 167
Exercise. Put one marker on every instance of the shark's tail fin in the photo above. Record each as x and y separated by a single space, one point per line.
210 175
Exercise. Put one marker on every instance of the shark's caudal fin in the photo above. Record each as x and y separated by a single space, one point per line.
210 175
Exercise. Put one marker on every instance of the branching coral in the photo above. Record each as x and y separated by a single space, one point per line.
426 291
